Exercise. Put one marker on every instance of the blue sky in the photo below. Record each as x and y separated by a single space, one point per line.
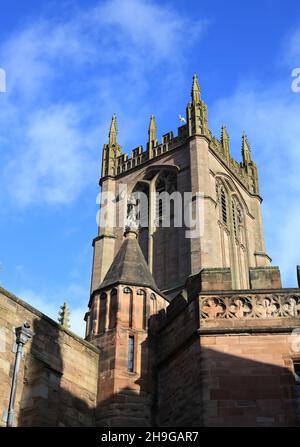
71 65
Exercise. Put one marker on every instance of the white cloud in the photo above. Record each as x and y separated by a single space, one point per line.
156 30
65 78
54 161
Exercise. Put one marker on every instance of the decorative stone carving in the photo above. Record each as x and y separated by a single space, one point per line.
250 307
127 290
213 308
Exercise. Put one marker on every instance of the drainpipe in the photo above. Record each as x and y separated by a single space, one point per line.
23 334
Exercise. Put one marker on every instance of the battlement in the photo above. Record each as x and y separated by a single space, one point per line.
116 163
124 163
139 156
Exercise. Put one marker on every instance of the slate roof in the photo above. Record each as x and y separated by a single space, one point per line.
129 267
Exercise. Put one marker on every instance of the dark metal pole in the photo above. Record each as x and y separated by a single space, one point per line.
23 334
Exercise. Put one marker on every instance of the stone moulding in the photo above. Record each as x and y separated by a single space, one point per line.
249 307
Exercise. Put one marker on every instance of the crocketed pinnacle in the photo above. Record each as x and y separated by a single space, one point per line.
64 316
113 131
196 91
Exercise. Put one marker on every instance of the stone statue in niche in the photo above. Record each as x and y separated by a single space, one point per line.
131 221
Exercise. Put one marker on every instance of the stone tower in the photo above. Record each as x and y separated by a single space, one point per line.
141 265
120 310
230 252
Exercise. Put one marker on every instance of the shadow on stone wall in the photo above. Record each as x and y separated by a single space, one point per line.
192 387
204 387
203 381
44 401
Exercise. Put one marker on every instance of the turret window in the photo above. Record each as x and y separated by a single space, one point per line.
103 310
131 353
113 309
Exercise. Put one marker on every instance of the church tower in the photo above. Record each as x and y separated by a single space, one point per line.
229 252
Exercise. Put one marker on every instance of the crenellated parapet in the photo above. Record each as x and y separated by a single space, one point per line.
124 163
116 163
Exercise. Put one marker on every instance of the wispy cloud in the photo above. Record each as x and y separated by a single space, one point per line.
290 51
64 80
55 163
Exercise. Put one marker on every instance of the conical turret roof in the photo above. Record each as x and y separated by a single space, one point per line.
129 266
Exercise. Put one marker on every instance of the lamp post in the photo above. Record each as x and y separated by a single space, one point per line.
23 334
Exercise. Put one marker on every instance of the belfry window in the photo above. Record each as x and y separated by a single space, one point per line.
131 353
223 207
234 218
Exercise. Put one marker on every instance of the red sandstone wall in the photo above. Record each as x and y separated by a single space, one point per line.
248 380
222 379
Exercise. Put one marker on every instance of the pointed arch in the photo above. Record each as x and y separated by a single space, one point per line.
113 308
128 291
231 188
233 231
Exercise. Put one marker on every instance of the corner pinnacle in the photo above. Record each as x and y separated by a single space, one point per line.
113 131
246 149
196 90
64 316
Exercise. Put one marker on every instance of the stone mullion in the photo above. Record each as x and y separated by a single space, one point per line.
152 209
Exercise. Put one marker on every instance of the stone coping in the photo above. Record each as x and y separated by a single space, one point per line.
249 292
